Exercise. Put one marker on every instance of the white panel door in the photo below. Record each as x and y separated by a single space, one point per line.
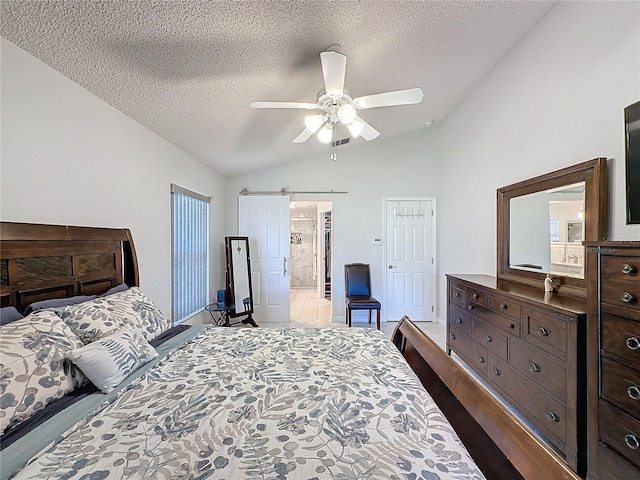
265 220
410 264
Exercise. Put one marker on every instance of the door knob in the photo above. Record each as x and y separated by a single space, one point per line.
392 266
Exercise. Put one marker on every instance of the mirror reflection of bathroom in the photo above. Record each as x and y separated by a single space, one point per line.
310 267
547 230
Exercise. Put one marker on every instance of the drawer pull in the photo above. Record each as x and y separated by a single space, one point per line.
475 296
457 294
480 359
453 336
543 332
632 441
626 268
488 339
503 306
633 343
634 392
458 320
534 368
552 417
496 372
626 297
469 307
511 326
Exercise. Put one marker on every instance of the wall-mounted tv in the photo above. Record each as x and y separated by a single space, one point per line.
632 153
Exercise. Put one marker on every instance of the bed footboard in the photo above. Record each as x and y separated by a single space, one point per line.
501 445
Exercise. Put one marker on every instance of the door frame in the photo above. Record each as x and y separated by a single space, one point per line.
434 250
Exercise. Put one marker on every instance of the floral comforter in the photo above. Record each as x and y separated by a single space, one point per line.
267 404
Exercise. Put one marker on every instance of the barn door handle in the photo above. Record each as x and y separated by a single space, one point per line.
284 266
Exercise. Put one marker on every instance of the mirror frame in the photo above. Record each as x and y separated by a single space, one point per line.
230 283
594 174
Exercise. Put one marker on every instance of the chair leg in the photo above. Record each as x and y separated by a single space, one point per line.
349 318
369 316
378 319
346 315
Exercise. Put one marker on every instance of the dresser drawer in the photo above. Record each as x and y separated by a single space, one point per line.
620 337
490 339
620 269
540 370
621 386
456 293
547 413
546 332
506 307
620 431
476 356
625 295
461 321
501 323
476 296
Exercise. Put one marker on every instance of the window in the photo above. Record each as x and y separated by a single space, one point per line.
190 252
554 228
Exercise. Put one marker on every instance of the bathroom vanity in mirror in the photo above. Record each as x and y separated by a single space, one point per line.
527 344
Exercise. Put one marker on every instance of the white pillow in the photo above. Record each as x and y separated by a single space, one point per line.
109 360
33 369
106 315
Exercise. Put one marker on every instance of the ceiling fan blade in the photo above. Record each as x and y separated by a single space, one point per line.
306 106
367 132
389 99
334 65
303 137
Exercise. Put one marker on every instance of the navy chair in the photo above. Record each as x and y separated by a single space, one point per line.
357 286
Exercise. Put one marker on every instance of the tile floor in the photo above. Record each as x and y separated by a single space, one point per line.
308 310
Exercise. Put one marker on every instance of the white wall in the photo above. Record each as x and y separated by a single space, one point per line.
556 100
407 167
69 158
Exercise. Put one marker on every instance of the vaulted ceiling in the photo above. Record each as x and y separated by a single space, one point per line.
188 70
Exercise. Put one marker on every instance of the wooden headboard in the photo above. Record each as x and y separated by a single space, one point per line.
42 262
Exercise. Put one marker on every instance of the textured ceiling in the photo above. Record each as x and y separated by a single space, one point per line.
187 70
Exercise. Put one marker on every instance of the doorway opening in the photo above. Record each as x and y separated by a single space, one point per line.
310 270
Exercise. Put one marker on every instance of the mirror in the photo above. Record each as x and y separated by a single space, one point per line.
546 231
239 290
543 222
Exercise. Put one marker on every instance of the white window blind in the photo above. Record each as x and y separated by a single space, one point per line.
554 228
190 252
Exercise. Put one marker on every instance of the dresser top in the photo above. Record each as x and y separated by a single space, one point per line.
533 296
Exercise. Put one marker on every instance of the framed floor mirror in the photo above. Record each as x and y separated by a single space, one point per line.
238 272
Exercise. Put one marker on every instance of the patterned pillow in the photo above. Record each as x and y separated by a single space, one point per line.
108 361
106 315
33 370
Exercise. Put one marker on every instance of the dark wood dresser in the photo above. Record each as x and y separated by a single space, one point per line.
530 347
613 352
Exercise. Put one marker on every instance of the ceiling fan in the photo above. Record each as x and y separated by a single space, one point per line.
337 104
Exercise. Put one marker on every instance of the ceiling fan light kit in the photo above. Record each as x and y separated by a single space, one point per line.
338 105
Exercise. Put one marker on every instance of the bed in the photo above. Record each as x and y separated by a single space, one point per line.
205 402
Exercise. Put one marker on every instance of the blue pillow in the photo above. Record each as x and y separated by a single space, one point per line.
58 302
9 314
117 289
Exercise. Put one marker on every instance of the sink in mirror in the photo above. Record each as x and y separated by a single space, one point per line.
546 231
543 222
